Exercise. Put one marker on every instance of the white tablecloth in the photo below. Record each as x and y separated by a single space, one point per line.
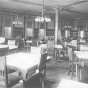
23 62
56 46
28 41
65 83
10 46
83 55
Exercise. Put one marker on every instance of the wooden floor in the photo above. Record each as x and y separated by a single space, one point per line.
56 71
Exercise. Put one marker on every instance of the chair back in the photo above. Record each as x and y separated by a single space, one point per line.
50 45
70 53
42 63
83 47
3 69
11 42
36 50
2 40
50 48
43 50
74 42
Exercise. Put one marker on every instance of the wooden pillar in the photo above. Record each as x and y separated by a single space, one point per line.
57 11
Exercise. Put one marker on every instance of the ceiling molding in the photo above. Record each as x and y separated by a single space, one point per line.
28 2
46 7
7 10
76 12
77 2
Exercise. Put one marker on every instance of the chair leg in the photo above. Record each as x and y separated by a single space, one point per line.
42 82
72 71
69 70
45 73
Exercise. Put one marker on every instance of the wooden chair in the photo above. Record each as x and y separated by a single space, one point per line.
26 45
72 61
6 80
51 49
83 47
11 42
41 71
2 40
74 43
64 48
36 50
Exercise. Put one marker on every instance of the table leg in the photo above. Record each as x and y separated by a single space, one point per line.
59 55
56 54
77 72
42 82
28 46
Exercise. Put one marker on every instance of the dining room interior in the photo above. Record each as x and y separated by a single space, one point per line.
43 43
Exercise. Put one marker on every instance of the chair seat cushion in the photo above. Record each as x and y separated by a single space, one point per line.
13 79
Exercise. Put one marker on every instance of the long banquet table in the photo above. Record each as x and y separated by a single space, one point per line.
82 56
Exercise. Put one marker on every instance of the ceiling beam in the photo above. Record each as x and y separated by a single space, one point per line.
7 10
29 2
51 7
34 3
76 12
77 2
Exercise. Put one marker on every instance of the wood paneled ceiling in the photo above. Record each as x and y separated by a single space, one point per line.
75 9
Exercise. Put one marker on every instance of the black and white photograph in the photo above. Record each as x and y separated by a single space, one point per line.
43 43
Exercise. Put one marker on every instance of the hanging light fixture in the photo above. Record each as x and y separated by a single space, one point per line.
17 19
68 26
42 18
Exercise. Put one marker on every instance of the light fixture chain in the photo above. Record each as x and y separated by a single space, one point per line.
42 18
43 9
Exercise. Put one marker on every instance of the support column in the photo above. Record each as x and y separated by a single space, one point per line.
57 11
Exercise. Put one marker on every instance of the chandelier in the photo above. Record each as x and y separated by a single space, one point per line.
17 20
68 26
42 18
